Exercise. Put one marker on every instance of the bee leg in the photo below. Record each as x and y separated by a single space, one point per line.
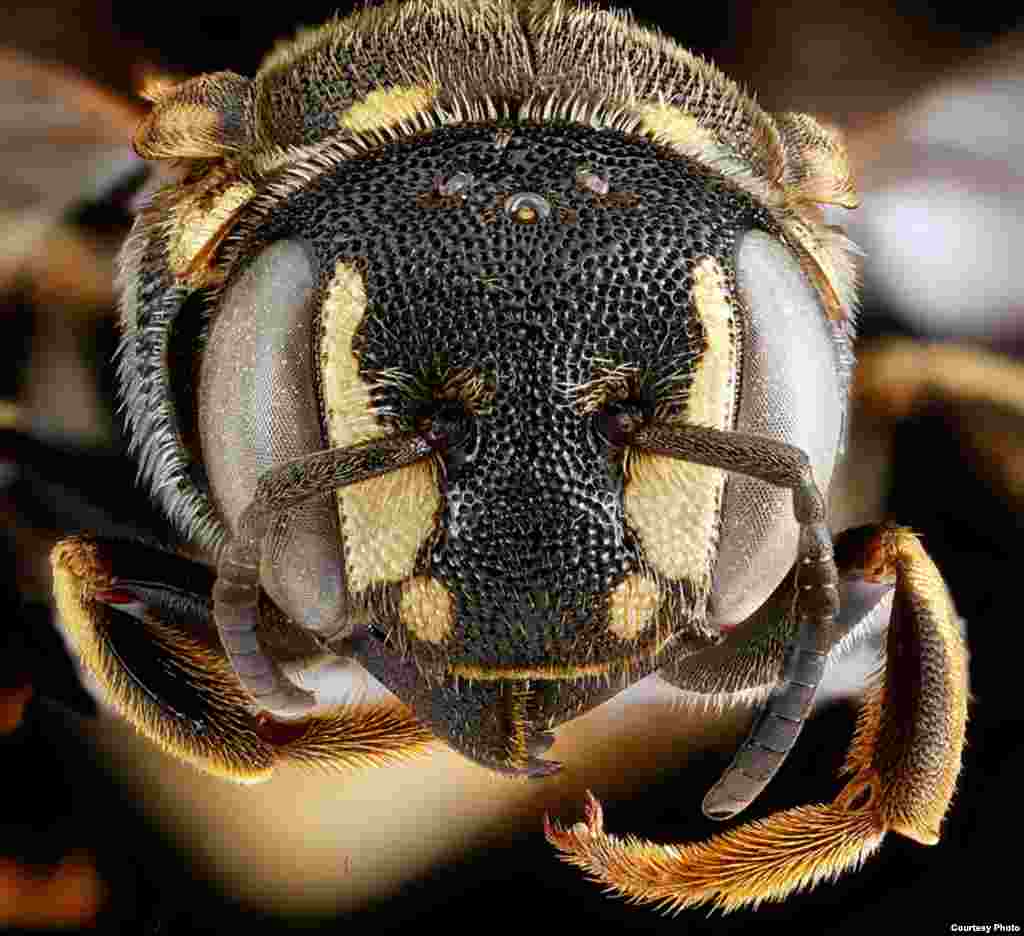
759 662
750 662
903 764
977 393
237 589
816 596
141 621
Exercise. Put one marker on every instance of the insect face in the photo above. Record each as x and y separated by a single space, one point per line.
522 373
505 554
535 325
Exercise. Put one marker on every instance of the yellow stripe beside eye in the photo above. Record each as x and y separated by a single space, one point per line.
671 505
384 521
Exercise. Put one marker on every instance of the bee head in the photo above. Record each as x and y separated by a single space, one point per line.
555 228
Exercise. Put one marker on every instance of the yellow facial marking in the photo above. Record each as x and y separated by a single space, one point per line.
671 504
384 520
427 609
632 606
713 394
387 107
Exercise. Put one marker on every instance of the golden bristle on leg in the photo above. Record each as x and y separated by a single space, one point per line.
903 764
154 653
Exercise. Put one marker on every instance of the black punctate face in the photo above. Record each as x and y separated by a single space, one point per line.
539 287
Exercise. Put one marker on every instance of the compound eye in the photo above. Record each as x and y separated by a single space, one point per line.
257 409
616 422
791 390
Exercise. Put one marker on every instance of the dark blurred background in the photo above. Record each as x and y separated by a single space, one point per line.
931 97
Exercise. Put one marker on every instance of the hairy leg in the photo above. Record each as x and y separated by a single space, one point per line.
142 623
903 765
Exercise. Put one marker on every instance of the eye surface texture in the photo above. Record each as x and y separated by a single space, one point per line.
792 391
257 408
